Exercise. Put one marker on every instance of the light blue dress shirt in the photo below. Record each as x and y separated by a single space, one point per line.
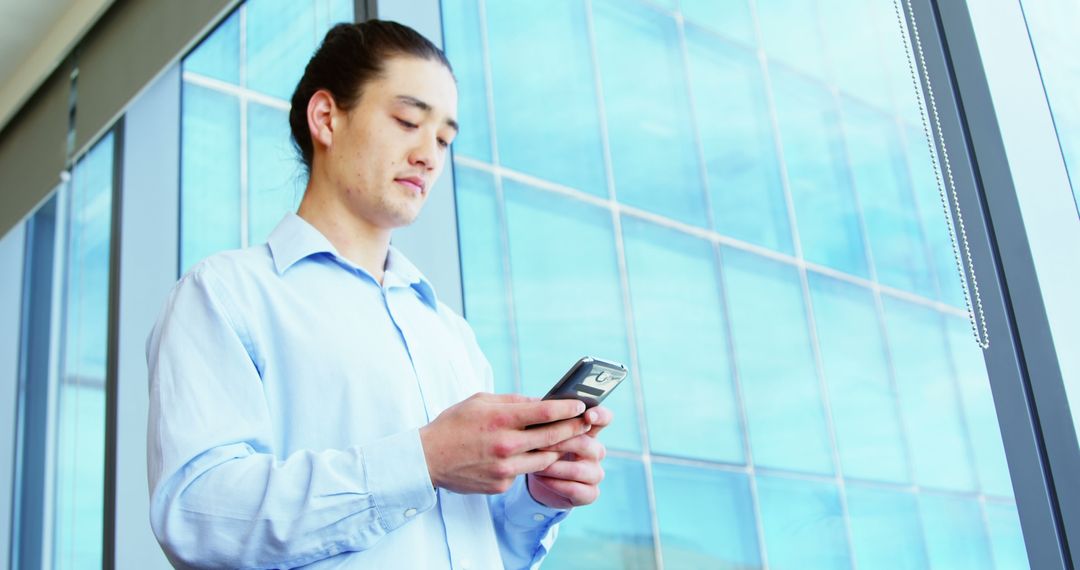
287 389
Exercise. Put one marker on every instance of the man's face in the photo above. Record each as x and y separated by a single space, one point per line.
388 151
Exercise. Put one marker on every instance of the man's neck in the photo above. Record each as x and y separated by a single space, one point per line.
354 238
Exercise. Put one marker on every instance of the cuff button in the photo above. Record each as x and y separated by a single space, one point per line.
410 513
539 517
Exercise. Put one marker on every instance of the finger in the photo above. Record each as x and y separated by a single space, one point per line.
583 446
506 398
547 435
546 411
588 472
531 462
600 417
576 494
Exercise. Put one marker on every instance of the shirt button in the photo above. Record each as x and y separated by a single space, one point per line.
410 513
539 517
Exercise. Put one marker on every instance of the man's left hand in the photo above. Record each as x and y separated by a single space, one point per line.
574 480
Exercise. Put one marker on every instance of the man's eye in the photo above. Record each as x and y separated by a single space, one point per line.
406 124
443 143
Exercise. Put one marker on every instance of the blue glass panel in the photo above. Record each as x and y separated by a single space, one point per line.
649 125
776 365
737 142
480 236
804 525
954 531
868 432
885 530
979 411
929 403
817 172
281 37
464 47
209 174
681 342
545 128
881 179
730 18
932 213
567 299
1006 538
613 533
218 56
790 32
706 518
80 430
854 46
276 177
330 12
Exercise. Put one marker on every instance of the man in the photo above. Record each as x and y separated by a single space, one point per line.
312 403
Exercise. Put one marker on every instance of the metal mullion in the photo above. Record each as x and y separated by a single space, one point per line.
1029 397
112 348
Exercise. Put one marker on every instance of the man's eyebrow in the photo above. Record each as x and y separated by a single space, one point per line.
414 102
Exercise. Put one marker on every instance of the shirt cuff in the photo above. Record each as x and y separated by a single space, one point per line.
524 511
398 479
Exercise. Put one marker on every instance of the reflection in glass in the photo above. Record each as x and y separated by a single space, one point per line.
803 522
737 142
885 529
683 357
218 56
861 397
892 223
825 209
784 413
280 40
790 34
480 236
730 18
650 130
954 532
544 128
276 176
929 403
567 297
614 532
80 432
1006 539
703 517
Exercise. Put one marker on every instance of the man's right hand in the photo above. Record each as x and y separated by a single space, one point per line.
481 445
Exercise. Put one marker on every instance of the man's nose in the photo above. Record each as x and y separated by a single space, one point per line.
425 153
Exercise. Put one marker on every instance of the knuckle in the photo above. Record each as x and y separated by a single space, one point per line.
502 470
502 448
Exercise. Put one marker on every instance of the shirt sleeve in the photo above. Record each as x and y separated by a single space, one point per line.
219 495
526 529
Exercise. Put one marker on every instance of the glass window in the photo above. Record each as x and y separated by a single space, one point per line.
80 430
702 515
885 528
803 523
1053 24
776 272
567 297
775 363
955 534
239 173
682 343
543 128
615 532
650 132
737 141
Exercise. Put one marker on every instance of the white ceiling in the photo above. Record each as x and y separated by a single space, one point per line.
35 36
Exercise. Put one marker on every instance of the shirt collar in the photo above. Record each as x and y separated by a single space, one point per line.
294 239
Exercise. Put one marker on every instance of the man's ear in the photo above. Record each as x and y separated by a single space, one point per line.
320 117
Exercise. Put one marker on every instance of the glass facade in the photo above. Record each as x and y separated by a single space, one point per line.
239 173
79 500
735 199
1052 25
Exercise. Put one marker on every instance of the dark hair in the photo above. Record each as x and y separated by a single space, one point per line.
349 57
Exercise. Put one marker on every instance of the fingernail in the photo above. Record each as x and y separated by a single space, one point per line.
590 416
581 407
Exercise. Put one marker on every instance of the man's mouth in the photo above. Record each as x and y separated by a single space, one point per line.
413 182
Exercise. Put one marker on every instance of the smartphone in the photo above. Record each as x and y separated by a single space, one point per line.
589 380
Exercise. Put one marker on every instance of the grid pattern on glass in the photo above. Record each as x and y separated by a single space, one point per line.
823 238
80 432
238 171
1052 25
